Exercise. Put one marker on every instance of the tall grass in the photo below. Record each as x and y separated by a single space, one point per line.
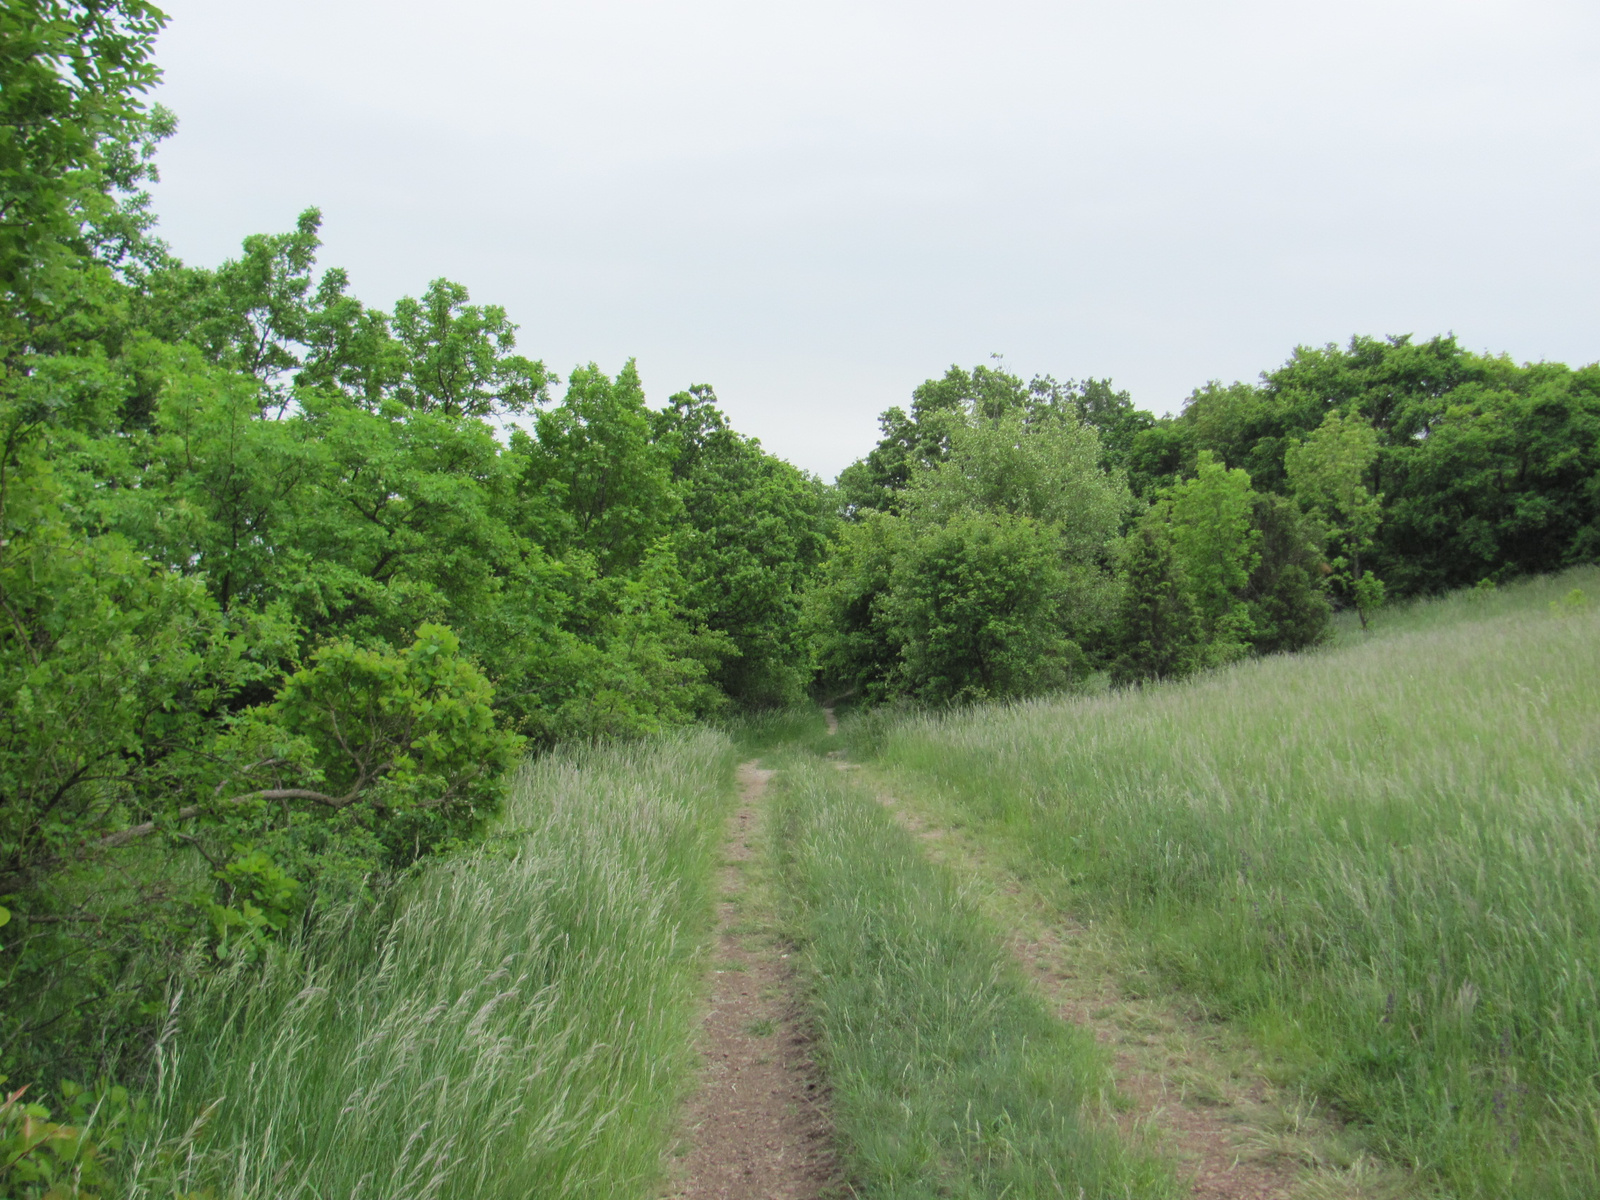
791 728
519 1025
949 1077
1383 856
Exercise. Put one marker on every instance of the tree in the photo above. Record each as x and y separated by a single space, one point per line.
72 78
756 529
1287 592
915 440
607 484
1241 425
1502 484
459 360
1111 413
925 603
252 313
1328 470
975 604
1157 634
1217 547
853 643
922 439
1396 383
1047 468
1158 457
404 742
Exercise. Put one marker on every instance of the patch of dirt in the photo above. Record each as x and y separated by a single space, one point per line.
1185 1085
1195 1108
757 1128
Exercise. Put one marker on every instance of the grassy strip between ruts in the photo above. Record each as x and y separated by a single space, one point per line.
519 1025
1382 857
948 1075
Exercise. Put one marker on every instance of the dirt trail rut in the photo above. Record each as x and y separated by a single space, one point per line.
757 1129
1185 1086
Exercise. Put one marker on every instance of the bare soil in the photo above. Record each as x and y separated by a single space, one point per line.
757 1128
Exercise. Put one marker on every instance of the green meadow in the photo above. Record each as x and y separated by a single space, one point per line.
515 1022
1379 857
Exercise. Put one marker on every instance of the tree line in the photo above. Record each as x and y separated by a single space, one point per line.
288 582
1007 537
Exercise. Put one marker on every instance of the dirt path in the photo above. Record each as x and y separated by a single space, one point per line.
1193 1088
757 1129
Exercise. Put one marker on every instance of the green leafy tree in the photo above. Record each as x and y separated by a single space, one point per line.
916 439
1328 471
643 663
404 743
1241 425
1111 414
1397 384
922 439
458 357
755 531
251 314
1046 467
72 80
1482 464
1020 469
606 483
1214 541
854 645
974 602
1501 485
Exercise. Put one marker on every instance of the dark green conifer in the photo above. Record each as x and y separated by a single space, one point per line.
1158 631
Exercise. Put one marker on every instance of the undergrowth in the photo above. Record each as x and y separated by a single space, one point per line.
795 727
518 1024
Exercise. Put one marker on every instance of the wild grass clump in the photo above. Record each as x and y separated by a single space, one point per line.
1385 856
948 1076
756 732
518 1024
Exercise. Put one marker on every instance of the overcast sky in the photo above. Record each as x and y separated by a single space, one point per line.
814 206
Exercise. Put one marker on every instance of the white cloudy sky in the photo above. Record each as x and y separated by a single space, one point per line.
813 206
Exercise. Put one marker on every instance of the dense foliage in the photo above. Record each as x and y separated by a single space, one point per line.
1004 541
288 582
991 565
1386 468
1480 469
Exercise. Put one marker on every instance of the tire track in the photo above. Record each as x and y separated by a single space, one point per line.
757 1127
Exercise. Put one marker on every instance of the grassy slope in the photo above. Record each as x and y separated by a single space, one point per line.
520 1027
1382 856
948 1076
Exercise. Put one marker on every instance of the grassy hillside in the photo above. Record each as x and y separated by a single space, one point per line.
1381 856
518 1024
